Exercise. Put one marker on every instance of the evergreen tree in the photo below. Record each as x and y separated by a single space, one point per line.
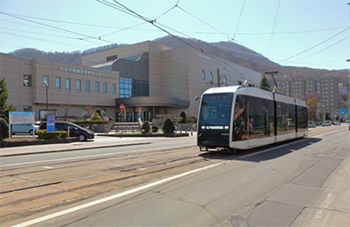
4 107
264 84
183 117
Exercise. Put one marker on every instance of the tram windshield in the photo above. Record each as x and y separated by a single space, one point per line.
215 111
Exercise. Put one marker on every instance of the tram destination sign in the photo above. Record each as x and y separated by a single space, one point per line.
21 117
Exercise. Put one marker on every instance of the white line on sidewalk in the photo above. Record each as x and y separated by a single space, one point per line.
109 198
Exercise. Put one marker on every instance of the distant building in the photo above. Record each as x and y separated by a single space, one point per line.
327 89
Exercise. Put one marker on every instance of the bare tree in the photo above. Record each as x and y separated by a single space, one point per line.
65 108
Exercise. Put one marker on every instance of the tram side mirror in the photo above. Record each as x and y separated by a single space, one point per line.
197 98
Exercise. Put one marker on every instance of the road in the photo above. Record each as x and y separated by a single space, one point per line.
302 183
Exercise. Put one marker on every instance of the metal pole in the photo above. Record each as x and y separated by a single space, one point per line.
47 95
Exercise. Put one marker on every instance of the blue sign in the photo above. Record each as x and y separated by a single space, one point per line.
51 123
21 113
342 111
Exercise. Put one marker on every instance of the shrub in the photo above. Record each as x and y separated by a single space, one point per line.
111 118
192 119
178 120
146 127
44 134
4 129
168 126
183 116
96 117
105 118
154 128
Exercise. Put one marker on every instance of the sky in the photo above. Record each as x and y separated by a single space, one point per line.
306 33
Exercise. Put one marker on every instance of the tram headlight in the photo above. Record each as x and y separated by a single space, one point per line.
203 127
226 127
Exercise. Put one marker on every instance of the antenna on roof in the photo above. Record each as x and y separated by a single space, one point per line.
245 83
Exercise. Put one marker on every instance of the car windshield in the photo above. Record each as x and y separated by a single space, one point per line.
216 109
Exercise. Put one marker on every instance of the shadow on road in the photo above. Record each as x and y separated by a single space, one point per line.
262 153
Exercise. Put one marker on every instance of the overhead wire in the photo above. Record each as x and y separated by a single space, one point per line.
314 46
273 29
176 37
239 19
326 48
58 28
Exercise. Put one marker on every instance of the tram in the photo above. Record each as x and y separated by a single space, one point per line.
240 117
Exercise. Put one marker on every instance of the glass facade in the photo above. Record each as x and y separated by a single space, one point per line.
133 88
113 88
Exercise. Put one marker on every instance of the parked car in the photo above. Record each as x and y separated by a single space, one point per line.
22 128
74 130
336 123
312 124
326 123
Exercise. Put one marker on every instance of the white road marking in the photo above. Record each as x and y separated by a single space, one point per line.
47 167
93 203
109 198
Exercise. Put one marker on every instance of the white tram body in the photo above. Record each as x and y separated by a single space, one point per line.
239 117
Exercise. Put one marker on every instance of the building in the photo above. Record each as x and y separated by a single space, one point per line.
326 88
150 79
72 86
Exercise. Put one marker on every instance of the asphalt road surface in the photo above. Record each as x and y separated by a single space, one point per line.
302 183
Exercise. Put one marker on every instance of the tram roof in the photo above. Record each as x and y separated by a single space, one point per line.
256 92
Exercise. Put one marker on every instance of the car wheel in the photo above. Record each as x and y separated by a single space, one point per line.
31 132
82 137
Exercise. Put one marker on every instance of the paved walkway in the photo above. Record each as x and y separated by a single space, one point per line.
98 142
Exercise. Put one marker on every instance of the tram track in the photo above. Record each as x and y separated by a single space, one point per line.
115 170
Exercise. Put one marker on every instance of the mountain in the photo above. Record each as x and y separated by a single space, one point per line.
228 51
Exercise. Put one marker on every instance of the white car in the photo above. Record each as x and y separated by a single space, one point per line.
326 123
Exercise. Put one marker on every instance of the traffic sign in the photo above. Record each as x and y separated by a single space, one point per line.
122 107
51 119
342 111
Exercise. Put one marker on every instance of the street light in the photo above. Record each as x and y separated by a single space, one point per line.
46 86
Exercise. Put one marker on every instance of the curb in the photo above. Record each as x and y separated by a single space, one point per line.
74 149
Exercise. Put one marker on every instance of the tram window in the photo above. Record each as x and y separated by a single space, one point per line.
282 118
291 118
302 119
239 124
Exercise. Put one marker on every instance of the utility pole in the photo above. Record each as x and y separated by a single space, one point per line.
218 76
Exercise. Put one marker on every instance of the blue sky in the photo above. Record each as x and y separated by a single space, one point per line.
300 25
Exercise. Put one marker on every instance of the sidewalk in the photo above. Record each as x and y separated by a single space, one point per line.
51 148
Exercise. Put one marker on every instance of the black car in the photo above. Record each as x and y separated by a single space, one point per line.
74 130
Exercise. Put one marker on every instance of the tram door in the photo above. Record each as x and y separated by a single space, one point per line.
251 142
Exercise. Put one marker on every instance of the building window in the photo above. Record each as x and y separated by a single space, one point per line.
113 88
203 75
97 86
78 85
87 85
28 108
46 80
58 83
111 58
27 80
104 87
211 77
67 83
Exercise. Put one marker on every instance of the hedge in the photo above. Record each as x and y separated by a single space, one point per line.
4 129
44 134
90 122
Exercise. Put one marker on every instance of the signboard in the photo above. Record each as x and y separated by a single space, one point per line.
51 123
122 107
21 117
343 111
